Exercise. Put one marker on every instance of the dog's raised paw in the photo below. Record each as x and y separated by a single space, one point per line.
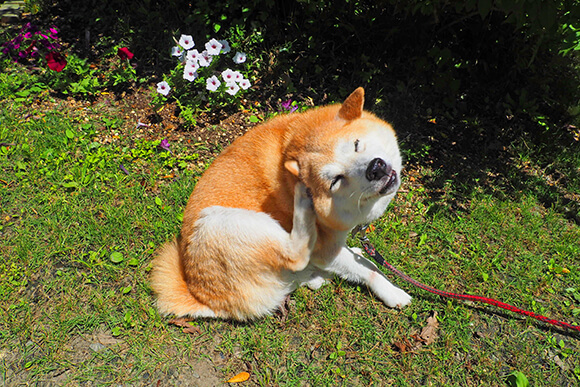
303 195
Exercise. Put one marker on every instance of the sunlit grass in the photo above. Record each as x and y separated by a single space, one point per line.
78 235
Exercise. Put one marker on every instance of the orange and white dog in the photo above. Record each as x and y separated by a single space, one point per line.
273 212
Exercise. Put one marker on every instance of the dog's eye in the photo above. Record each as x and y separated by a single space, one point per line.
335 182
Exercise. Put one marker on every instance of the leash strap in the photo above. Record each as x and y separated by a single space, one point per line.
373 253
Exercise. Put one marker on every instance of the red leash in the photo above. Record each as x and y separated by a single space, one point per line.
467 297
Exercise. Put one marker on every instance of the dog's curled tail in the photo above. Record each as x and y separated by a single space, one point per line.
167 281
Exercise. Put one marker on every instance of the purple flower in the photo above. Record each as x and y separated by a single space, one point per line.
122 168
164 145
287 105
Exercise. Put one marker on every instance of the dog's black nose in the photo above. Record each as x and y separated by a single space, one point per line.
377 169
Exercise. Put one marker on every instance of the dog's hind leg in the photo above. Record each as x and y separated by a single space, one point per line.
352 266
241 263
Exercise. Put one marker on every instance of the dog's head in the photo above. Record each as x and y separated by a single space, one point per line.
350 161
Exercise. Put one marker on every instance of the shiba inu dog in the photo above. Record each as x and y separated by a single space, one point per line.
273 212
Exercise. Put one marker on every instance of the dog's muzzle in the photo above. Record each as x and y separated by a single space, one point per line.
379 170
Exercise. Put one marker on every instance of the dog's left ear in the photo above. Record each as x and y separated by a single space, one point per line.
352 107
292 167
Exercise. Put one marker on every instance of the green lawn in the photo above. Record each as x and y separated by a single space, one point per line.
77 236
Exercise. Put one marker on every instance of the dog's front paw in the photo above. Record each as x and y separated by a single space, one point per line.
395 297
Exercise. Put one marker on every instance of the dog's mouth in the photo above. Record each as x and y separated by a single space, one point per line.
390 183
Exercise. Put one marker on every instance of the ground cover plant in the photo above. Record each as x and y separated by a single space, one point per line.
91 183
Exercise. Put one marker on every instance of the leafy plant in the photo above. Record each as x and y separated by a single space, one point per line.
200 80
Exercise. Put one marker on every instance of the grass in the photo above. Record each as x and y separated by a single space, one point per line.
77 236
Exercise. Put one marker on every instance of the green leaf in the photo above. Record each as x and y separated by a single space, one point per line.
133 262
517 379
126 289
70 184
116 331
20 165
116 257
69 133
158 201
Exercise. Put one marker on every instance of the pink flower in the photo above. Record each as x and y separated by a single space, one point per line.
124 53
55 61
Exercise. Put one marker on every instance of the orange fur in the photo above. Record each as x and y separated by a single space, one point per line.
243 267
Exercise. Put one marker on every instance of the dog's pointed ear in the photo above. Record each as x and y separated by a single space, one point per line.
352 107
292 167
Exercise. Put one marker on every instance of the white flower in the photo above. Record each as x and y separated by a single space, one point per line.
204 59
225 46
213 47
229 76
232 88
176 51
193 56
186 41
192 64
245 84
207 56
163 88
213 83
238 76
190 73
240 57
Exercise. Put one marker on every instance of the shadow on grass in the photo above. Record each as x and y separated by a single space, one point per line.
412 74
505 158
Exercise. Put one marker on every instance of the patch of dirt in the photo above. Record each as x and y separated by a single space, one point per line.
129 114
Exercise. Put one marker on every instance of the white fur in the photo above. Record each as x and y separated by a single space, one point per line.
261 291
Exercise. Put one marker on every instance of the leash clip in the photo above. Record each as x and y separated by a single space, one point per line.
361 230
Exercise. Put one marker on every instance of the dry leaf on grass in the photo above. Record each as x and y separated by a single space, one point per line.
184 323
427 336
429 332
241 377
